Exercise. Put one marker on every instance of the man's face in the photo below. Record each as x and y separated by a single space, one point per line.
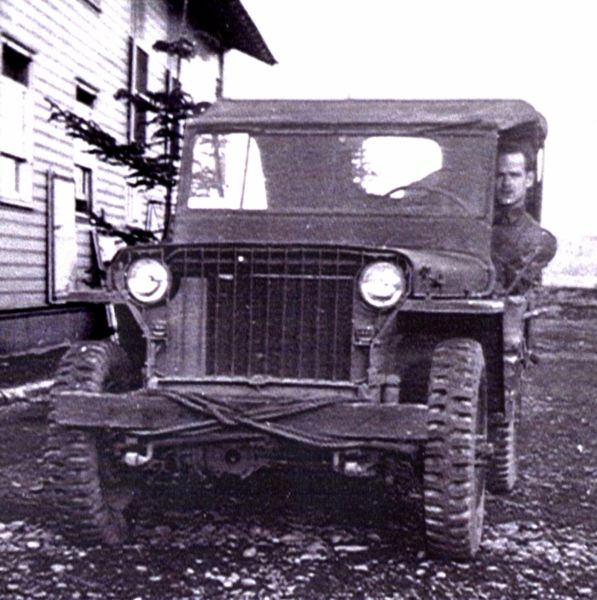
512 179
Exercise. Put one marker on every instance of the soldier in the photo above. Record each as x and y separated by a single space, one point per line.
521 248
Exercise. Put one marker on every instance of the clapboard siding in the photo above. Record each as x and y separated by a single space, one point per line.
34 285
29 298
23 244
23 217
24 272
15 245
69 40
20 256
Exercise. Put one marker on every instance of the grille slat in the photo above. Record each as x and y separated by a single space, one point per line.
301 331
267 353
318 331
216 319
336 319
276 311
251 303
284 371
234 320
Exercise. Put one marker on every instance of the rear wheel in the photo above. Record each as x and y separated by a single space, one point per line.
454 471
88 494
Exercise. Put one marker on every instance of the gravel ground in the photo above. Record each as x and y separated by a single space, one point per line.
322 537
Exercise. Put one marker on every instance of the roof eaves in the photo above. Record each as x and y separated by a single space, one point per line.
230 23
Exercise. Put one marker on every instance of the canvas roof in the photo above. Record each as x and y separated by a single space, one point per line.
500 115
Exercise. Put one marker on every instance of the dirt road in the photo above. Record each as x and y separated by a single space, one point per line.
328 538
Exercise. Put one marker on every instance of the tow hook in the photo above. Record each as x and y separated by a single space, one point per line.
136 459
355 463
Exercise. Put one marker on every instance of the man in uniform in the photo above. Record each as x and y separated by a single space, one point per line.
521 248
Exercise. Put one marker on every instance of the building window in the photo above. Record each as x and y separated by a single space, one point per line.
15 65
138 82
84 162
11 176
83 189
85 96
170 84
142 60
140 127
16 121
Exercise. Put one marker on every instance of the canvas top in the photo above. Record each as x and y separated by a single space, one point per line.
500 115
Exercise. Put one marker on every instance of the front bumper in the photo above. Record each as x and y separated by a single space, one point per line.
193 417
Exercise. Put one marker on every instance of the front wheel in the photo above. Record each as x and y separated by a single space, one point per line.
454 469
85 486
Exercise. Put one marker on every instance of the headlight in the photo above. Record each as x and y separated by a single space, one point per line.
147 280
382 284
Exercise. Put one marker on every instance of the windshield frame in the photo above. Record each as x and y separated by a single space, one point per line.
483 209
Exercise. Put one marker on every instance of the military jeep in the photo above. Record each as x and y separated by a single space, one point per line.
326 297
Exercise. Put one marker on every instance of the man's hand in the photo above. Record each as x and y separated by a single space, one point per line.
525 273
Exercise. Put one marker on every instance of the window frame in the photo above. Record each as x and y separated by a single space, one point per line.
137 119
83 160
476 198
19 55
84 194
19 177
21 197
85 93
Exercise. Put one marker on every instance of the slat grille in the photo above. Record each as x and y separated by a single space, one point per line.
276 311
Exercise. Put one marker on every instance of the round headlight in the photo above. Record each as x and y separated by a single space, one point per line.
147 280
382 284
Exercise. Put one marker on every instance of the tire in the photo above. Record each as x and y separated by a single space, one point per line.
503 469
453 472
84 487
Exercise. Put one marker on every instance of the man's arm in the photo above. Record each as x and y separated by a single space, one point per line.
528 271
547 248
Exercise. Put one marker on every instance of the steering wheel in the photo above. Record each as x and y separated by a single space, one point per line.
428 188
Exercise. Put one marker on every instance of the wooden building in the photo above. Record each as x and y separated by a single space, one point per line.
77 53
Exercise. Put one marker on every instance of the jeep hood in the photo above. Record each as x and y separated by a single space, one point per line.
450 257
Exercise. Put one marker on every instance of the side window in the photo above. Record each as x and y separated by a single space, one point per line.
384 163
84 163
16 121
519 142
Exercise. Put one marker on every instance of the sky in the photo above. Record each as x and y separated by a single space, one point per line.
542 52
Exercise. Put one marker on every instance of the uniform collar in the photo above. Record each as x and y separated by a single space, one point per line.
508 215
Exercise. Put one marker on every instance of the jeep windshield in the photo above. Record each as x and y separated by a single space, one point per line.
290 172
